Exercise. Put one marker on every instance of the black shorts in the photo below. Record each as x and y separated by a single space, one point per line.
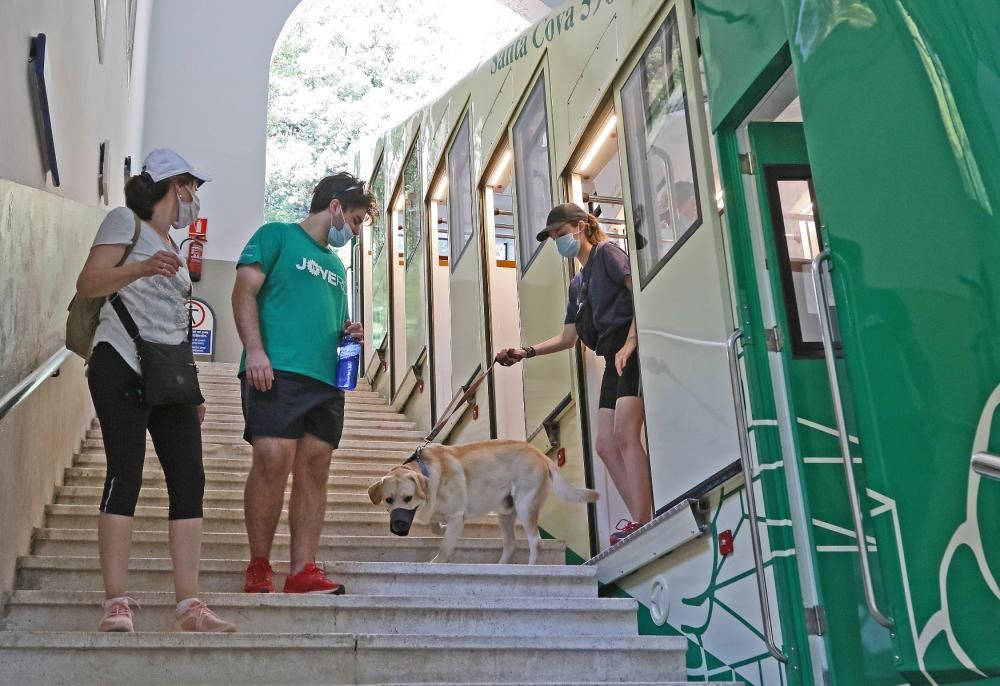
295 405
614 386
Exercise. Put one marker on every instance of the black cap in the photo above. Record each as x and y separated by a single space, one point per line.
559 215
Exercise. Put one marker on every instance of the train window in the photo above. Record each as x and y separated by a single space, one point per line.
498 201
533 179
438 217
661 170
596 181
798 240
460 192
412 207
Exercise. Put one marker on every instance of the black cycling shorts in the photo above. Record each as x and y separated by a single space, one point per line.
295 405
614 386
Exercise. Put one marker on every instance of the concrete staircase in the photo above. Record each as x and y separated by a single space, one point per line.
403 621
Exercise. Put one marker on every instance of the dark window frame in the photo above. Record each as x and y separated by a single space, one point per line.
773 174
524 265
453 257
646 277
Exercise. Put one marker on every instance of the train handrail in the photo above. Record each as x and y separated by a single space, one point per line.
743 439
30 383
826 331
986 464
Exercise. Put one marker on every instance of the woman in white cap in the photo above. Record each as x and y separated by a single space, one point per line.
134 256
600 313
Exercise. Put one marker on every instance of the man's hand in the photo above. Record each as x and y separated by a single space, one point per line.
511 356
259 371
201 414
355 329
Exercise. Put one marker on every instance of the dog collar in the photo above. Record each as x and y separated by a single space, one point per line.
418 458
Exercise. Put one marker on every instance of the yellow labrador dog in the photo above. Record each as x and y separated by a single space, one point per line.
443 484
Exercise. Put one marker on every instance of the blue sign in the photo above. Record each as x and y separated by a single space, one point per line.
203 328
201 342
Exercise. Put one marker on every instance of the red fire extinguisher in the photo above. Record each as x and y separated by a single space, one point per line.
195 251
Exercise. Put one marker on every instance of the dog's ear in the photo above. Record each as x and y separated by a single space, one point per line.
423 483
375 491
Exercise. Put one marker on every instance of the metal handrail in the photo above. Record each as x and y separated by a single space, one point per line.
845 446
986 464
743 438
21 391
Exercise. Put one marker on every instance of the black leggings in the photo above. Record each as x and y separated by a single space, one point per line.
176 433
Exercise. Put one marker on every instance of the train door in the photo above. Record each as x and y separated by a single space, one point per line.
381 251
595 182
791 234
500 269
397 287
551 421
465 292
408 393
680 281
903 150
438 381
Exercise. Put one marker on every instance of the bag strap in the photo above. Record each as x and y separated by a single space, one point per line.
123 314
585 273
114 299
135 239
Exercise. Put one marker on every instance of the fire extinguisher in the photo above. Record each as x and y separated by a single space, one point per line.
195 251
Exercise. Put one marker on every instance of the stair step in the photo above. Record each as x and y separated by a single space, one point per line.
350 433
80 658
360 578
355 424
230 520
83 542
158 497
364 466
286 613
351 446
152 476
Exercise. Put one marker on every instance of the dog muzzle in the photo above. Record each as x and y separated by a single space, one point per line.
400 520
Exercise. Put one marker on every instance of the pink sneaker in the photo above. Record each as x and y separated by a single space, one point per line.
117 615
625 528
198 618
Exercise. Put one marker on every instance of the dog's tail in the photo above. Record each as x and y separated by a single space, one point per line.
568 491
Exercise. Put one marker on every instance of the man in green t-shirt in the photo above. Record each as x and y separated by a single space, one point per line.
290 304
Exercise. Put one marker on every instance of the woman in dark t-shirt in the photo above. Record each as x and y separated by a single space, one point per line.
608 280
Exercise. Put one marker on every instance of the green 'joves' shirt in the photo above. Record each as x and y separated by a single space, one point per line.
303 302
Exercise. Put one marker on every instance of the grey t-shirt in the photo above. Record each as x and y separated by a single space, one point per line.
610 298
158 304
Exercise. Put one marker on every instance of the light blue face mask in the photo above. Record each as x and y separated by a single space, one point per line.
568 245
339 237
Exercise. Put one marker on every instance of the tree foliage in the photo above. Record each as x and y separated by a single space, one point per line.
347 69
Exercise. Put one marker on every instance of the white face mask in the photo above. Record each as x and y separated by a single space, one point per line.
187 212
339 237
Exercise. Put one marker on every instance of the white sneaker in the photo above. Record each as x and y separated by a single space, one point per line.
117 615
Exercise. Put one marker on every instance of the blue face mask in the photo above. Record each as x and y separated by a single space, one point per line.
339 237
568 245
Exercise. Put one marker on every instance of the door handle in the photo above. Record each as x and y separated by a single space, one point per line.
743 439
826 330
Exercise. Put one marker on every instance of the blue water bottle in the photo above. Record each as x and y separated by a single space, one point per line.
347 366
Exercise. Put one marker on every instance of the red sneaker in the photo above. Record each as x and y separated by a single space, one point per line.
259 577
312 579
624 529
